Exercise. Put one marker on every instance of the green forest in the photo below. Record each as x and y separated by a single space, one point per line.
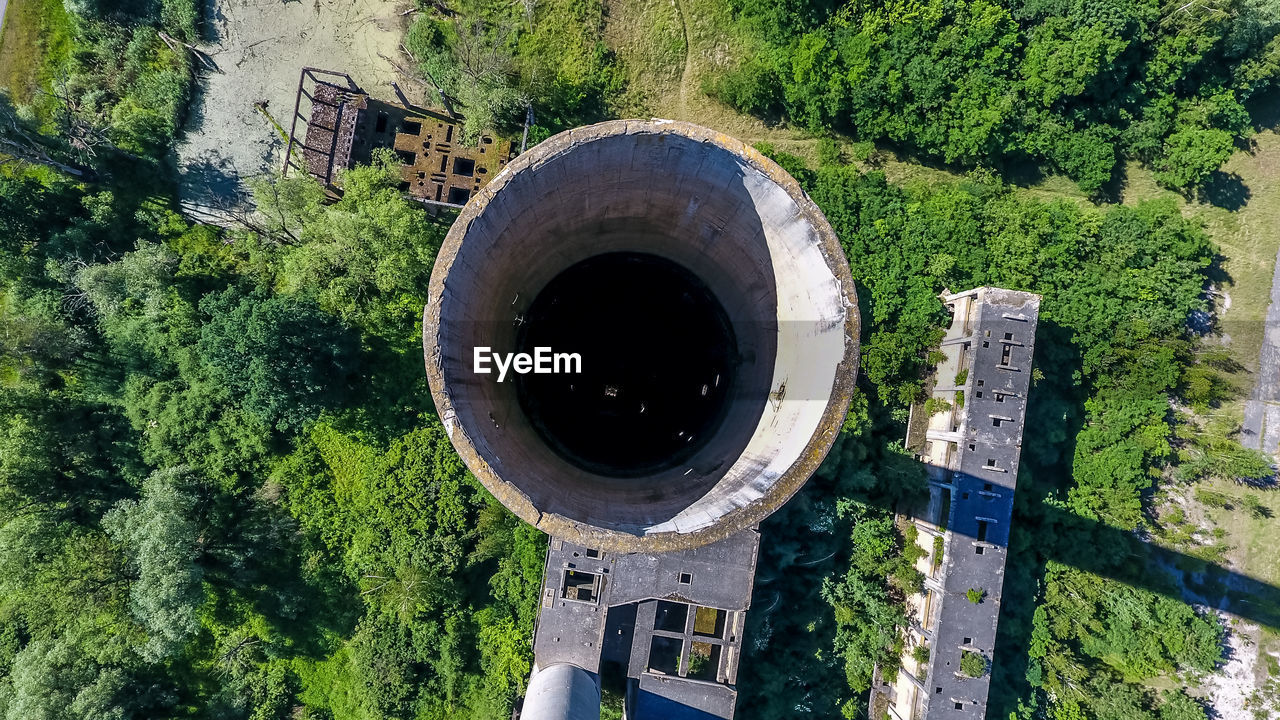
1074 86
224 490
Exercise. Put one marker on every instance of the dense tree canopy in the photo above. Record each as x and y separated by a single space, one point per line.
162 539
223 492
1074 86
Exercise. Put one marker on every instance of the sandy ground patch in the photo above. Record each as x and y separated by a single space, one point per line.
261 46
1231 687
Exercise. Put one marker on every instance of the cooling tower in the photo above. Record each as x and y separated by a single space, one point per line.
710 307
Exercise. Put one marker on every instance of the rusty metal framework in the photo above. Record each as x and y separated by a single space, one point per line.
344 124
314 75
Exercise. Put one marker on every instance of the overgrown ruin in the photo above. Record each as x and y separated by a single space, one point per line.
343 125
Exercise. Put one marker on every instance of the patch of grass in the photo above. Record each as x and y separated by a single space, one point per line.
648 37
1250 535
1265 701
920 654
1214 499
935 405
1247 240
704 620
34 44
669 47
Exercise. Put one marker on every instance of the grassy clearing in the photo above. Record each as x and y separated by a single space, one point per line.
648 37
1252 540
668 47
34 43
1246 226
1249 239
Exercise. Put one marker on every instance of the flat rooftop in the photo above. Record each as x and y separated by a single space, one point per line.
669 623
993 331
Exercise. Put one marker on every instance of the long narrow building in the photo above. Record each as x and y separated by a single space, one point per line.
969 435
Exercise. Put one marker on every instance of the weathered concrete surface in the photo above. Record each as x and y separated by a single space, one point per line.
1261 430
721 210
995 343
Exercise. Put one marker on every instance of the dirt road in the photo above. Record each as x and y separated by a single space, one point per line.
260 47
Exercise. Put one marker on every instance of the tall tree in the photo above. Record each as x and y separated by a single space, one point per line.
162 540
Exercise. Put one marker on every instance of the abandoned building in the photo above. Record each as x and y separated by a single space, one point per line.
663 631
653 487
344 125
970 440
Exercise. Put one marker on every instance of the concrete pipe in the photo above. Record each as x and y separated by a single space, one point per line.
561 692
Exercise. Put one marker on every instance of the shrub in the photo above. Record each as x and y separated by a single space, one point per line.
829 153
752 88
975 595
864 151
1213 498
973 664
1256 509
933 406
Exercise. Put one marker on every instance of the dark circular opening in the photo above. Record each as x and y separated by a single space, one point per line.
658 359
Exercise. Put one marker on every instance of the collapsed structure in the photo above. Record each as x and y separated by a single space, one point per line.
715 316
969 435
344 125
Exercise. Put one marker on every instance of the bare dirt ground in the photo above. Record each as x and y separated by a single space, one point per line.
1231 688
260 47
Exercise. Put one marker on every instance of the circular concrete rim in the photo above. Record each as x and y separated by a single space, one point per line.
508 493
